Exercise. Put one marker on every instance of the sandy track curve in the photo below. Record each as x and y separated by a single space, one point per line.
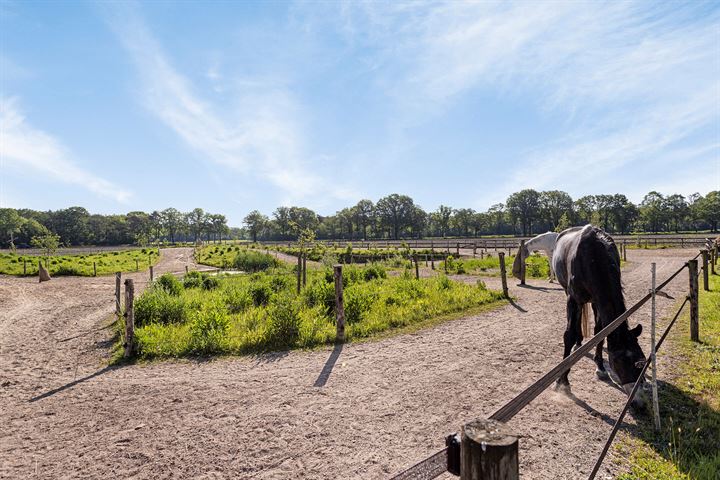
385 404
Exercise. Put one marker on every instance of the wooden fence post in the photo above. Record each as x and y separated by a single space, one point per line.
299 272
457 249
137 265
446 260
151 273
503 274
118 275
417 268
304 270
24 267
624 245
706 285
474 249
522 262
187 269
339 305
694 314
488 451
129 318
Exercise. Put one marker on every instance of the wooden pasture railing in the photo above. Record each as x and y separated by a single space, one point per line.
499 460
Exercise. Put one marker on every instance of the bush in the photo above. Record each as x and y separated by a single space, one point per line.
210 283
357 303
260 293
278 284
208 327
158 306
249 261
374 271
193 279
284 325
66 270
170 284
238 300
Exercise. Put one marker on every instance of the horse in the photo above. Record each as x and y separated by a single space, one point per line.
545 242
587 265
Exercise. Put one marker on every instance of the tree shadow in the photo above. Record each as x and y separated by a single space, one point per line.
328 367
270 357
689 432
72 384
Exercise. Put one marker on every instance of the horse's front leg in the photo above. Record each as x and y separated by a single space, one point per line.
571 336
599 364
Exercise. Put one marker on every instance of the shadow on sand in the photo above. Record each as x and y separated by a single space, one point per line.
329 365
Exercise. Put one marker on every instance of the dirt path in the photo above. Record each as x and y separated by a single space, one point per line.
383 406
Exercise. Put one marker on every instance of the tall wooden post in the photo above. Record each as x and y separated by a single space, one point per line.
656 404
137 265
339 305
457 249
187 269
304 269
129 318
694 307
299 272
118 275
503 274
151 273
522 262
489 452
94 269
417 268
24 267
706 280
474 249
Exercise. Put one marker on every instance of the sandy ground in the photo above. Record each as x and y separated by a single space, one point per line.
366 410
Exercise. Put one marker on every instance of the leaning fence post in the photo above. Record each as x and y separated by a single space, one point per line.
457 249
117 293
694 314
129 318
151 273
503 274
339 305
656 404
706 285
488 451
522 262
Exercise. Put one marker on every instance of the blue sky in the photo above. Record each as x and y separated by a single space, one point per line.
233 106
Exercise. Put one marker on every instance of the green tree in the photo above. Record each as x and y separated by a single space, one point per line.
196 223
47 243
395 212
441 219
653 212
255 222
553 205
172 221
463 219
524 207
10 223
364 211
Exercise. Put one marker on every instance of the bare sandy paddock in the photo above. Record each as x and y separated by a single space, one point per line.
384 404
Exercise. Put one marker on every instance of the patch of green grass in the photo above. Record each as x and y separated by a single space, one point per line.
81 264
688 445
262 312
536 266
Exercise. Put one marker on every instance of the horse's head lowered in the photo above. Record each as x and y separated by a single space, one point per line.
627 360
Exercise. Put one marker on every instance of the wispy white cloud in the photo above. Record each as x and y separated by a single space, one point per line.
634 80
257 132
24 147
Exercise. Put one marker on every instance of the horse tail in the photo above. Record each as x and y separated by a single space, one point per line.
585 322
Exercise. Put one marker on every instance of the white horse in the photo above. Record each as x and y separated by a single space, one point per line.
544 242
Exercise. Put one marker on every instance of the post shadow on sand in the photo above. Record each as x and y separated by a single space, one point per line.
512 302
329 364
542 289
72 384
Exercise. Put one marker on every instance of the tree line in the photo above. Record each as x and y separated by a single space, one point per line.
526 212
395 216
76 226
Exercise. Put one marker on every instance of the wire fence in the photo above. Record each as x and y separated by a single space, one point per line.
437 463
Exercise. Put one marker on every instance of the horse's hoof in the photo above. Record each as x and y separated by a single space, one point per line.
602 374
578 345
562 388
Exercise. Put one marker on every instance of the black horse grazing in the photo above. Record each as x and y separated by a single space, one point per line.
587 265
